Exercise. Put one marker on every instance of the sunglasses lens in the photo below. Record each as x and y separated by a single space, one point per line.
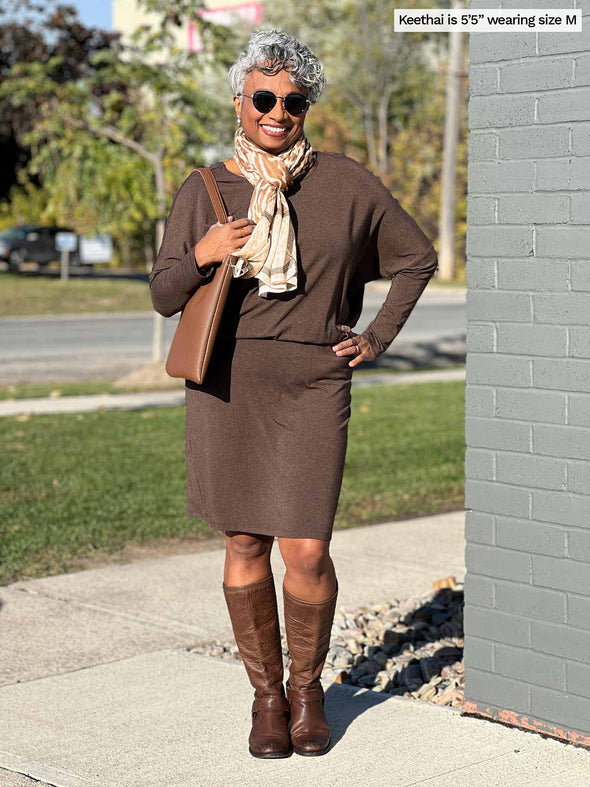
264 100
295 103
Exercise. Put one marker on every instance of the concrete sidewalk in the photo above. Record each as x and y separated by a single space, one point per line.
175 397
97 687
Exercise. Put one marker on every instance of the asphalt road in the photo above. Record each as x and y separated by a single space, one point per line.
97 346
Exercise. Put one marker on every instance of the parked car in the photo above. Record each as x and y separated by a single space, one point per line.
31 243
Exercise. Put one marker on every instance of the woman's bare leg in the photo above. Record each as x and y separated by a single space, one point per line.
247 557
310 572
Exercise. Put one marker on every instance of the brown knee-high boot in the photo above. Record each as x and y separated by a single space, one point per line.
308 627
255 622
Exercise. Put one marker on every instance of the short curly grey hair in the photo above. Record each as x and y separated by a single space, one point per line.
270 52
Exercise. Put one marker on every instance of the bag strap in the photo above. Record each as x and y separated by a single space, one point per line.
214 194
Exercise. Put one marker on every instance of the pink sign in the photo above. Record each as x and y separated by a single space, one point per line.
224 15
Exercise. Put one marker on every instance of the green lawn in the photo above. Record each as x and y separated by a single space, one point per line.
74 486
84 387
24 295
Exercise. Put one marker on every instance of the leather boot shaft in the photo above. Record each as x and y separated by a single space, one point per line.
254 616
308 628
255 622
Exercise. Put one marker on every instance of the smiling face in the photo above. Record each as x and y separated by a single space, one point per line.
254 122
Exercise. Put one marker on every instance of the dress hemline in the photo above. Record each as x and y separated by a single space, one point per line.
255 529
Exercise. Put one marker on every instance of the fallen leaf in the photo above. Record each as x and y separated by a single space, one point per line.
447 582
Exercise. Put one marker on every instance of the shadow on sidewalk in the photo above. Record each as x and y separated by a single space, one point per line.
345 703
424 648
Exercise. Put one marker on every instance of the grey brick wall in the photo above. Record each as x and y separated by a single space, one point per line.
527 426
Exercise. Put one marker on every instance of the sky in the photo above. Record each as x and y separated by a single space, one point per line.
95 13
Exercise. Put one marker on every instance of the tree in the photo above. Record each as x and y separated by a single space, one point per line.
34 34
376 77
111 140
385 99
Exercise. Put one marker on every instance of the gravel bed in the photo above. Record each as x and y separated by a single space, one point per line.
410 647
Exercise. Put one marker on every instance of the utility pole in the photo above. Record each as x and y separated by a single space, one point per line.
158 323
446 227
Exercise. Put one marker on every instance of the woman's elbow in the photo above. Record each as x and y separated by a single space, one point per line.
163 299
162 303
425 266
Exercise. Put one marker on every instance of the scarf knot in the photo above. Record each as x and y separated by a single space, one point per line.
270 252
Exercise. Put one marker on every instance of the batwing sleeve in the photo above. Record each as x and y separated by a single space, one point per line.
176 275
398 250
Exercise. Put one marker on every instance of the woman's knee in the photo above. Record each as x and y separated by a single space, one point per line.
308 557
247 546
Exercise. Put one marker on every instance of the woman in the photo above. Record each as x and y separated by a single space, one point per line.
266 432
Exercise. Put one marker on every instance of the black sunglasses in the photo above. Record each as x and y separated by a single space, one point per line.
264 101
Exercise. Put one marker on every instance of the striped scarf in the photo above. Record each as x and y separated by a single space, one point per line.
270 252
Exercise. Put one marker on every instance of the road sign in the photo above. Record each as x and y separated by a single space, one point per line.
66 241
96 248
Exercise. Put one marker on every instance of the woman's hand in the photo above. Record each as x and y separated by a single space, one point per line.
356 345
221 240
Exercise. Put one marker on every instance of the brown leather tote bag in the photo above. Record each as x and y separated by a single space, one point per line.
197 328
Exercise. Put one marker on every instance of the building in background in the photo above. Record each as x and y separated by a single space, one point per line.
127 17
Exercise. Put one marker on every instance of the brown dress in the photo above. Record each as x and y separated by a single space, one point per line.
266 432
